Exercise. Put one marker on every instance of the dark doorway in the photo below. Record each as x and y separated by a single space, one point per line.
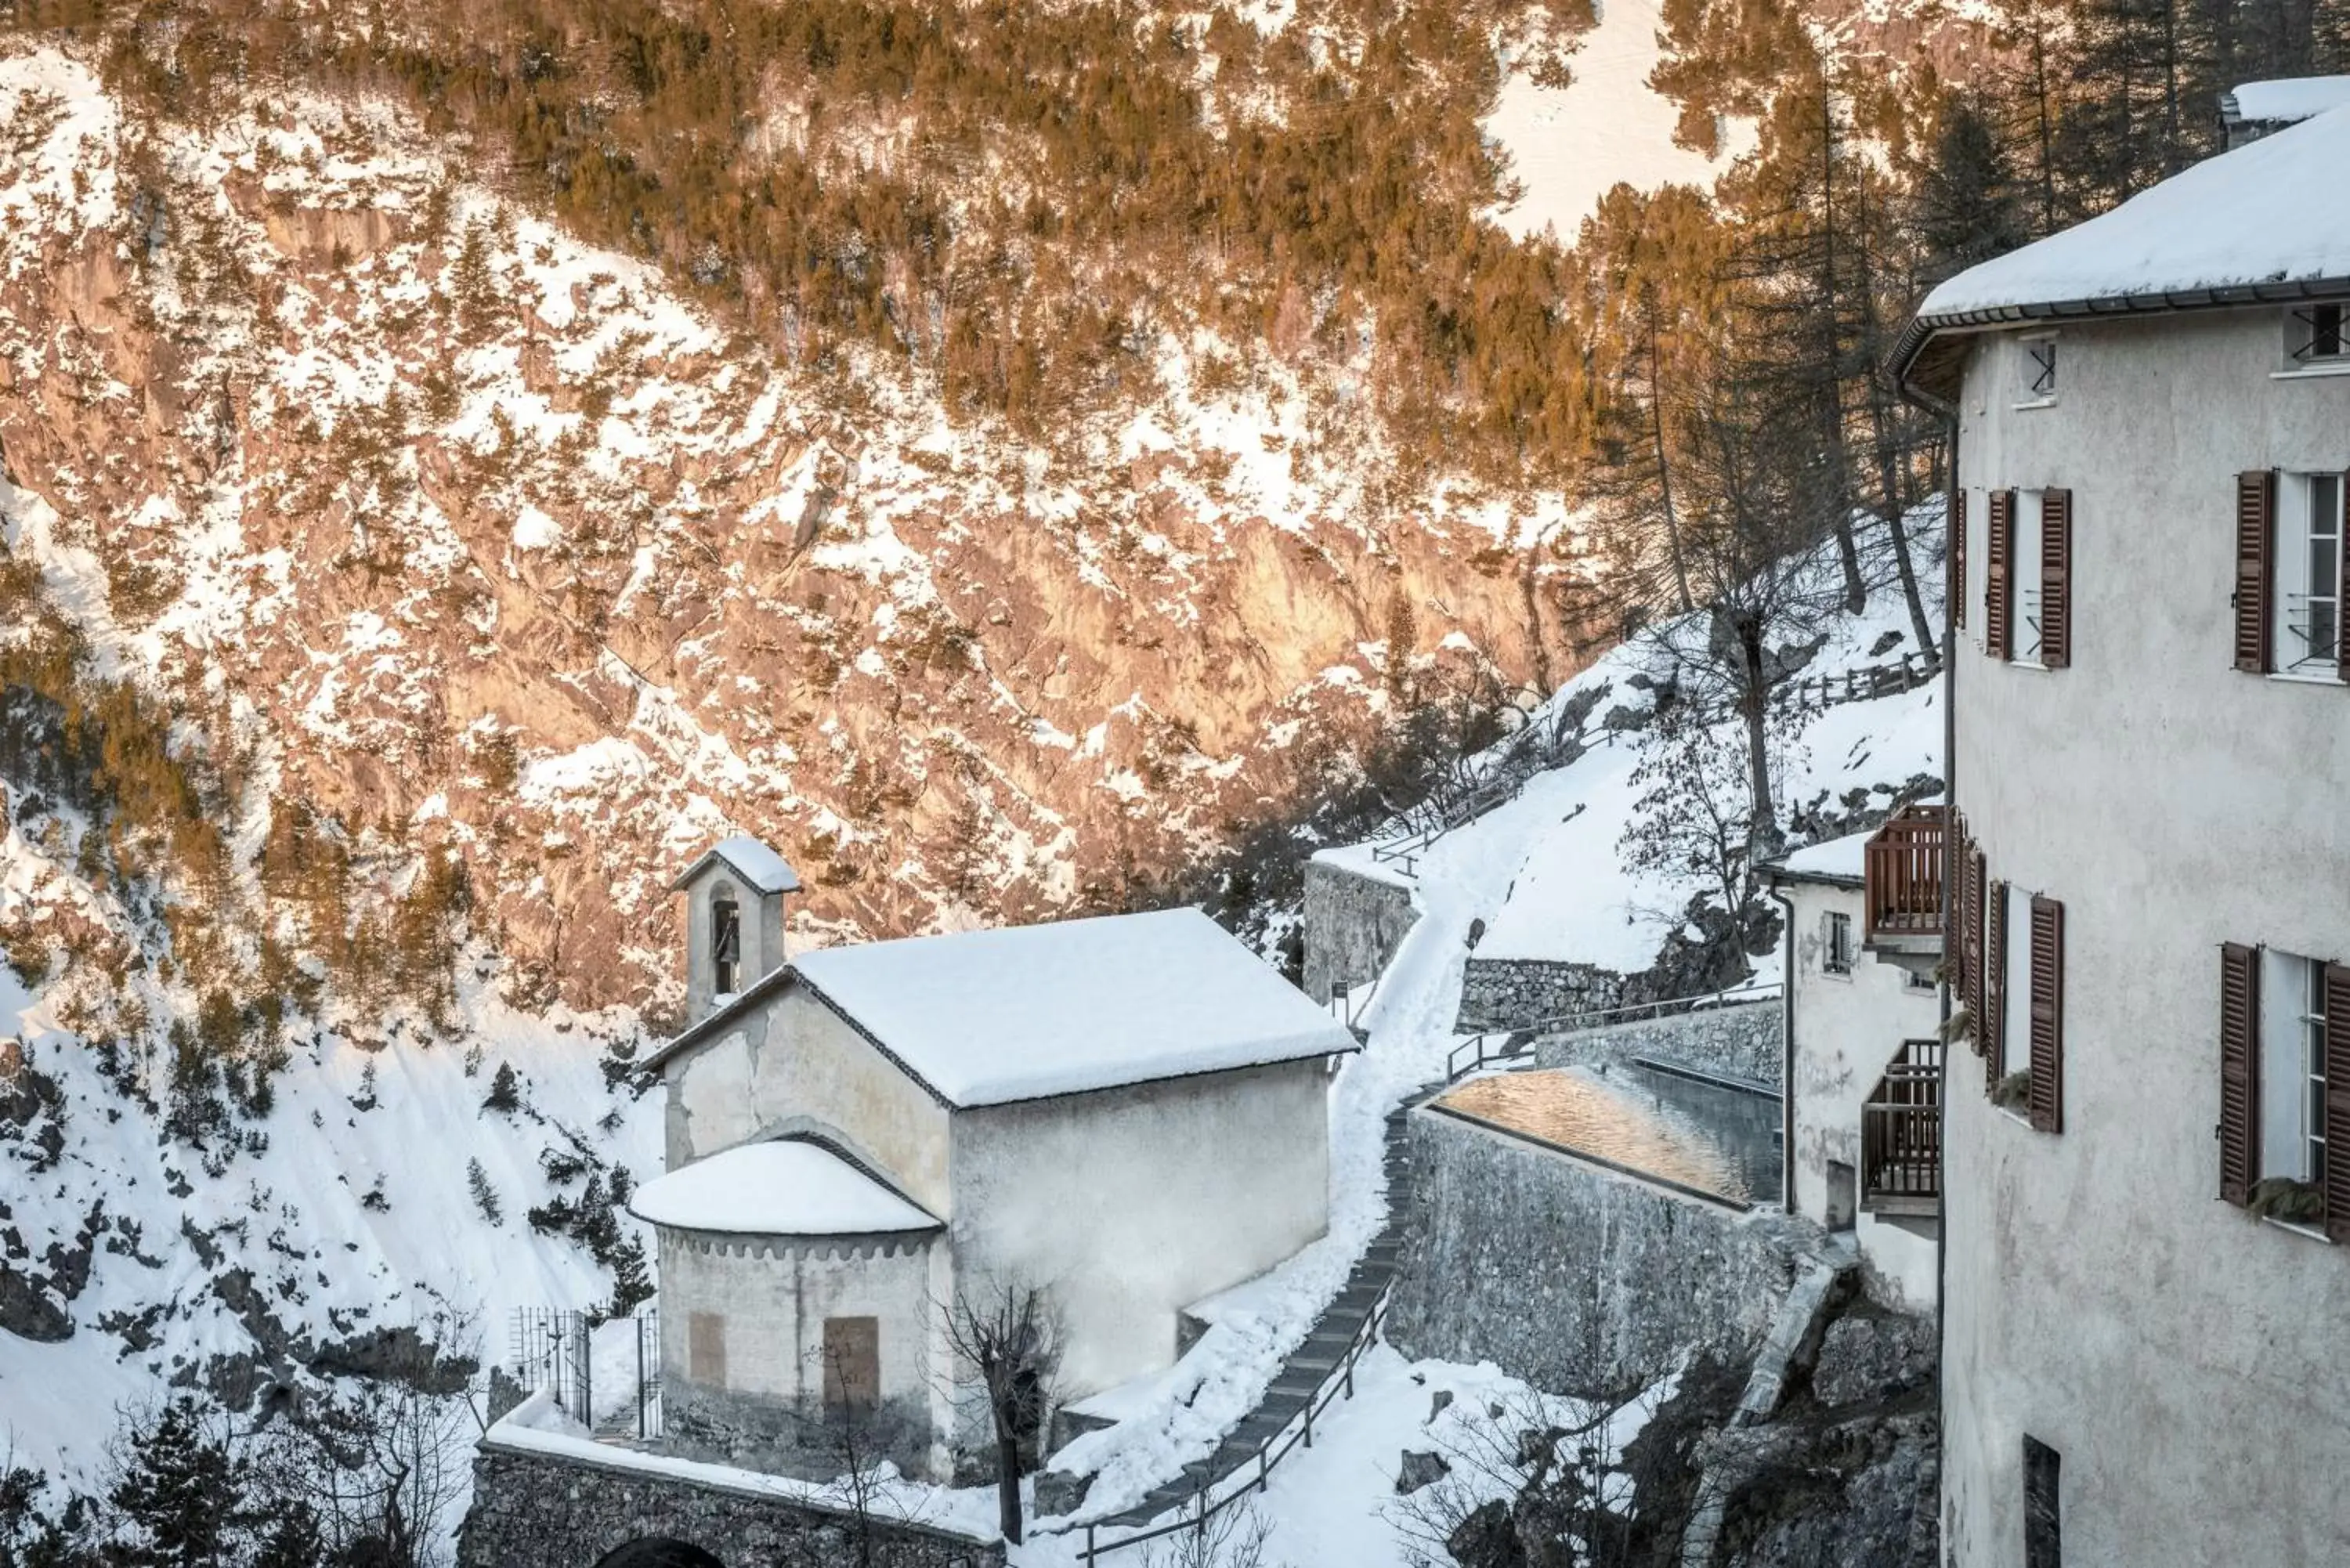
2044 1535
659 1555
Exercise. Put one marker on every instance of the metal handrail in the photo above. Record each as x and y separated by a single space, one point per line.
1590 1019
1271 1449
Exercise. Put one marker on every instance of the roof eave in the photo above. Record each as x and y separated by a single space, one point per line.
1779 873
1939 393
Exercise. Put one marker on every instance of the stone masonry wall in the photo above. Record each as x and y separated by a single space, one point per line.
1354 924
1566 1274
542 1510
1747 1041
1518 993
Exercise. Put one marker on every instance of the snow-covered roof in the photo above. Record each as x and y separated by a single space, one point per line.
1025 1013
786 1188
2286 101
1835 860
2241 228
748 859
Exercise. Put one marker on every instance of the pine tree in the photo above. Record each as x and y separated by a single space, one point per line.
505 1091
632 1286
1965 205
485 1197
181 1490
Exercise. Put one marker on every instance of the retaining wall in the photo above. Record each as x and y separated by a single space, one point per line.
1746 1040
1354 923
1571 1276
1516 993
534 1510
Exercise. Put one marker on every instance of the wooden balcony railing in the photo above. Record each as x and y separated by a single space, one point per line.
1901 1133
1902 870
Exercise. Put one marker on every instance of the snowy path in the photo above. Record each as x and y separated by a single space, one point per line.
1183 1417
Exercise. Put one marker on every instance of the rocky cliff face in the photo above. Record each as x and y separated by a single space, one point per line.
429 517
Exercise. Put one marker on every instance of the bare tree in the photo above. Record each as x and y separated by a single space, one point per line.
1007 1335
1234 1537
381 1468
1756 496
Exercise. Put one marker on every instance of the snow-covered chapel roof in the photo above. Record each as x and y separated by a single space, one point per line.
2250 226
784 1187
1026 1012
748 859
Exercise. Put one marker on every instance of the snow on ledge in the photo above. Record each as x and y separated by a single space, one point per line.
784 1187
2289 99
538 1426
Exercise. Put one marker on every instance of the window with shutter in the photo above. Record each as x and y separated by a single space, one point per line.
1957 553
2055 578
2333 1093
2255 523
1998 601
2047 1014
2240 1080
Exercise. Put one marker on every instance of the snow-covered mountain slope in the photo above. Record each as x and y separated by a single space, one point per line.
466 525
346 1228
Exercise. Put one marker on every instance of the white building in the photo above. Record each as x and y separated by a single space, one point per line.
2152 741
1862 1097
1127 1112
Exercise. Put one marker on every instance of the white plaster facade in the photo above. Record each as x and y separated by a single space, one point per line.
2182 1358
1843 1029
1132 1204
1126 1203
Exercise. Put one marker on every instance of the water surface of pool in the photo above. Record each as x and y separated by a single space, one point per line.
1706 1137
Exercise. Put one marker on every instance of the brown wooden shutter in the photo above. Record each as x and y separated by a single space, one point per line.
2255 533
1998 605
2239 1071
1994 980
1978 880
1958 590
2336 1185
2047 1014
2055 578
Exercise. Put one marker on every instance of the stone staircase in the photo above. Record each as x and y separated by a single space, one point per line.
1309 1367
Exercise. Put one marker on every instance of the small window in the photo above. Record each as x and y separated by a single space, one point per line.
2314 334
2025 562
2308 605
725 942
1913 981
2043 1534
2038 369
852 1364
1835 949
2293 1053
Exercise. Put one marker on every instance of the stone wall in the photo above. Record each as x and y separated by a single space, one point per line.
534 1510
1746 1040
1568 1275
1354 923
1518 993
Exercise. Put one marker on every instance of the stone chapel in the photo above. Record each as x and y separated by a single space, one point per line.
1129 1111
